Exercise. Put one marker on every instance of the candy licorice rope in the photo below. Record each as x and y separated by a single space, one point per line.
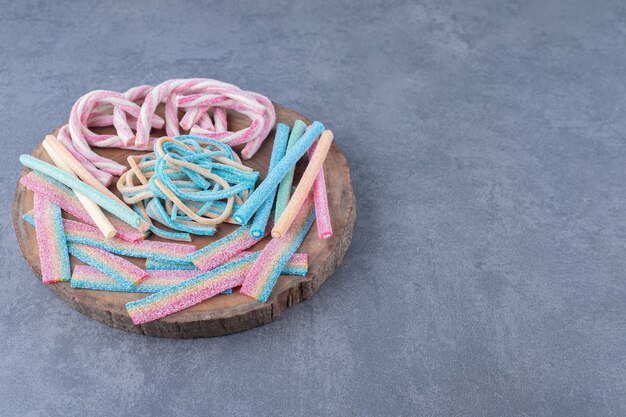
53 256
185 186
136 109
243 215
278 151
66 199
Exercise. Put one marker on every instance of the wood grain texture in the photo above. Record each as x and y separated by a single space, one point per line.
223 314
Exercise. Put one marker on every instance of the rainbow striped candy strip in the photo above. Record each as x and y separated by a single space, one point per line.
77 232
118 268
262 276
297 265
189 292
53 256
222 250
85 276
65 198
154 264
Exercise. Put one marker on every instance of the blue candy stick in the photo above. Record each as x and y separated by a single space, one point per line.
278 152
284 189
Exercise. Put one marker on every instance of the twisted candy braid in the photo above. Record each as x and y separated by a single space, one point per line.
135 110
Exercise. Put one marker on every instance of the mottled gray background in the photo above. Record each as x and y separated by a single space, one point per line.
487 146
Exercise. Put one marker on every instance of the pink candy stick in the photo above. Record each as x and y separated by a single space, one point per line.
221 125
53 256
205 122
120 121
192 116
160 93
320 196
63 137
66 199
171 116
79 131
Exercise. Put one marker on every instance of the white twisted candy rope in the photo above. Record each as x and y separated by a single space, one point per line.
133 115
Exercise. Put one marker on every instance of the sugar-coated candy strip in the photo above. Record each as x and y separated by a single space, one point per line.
77 232
94 211
66 199
304 186
284 188
278 152
121 270
223 249
86 276
297 265
125 214
262 276
320 199
53 256
189 292
252 204
152 264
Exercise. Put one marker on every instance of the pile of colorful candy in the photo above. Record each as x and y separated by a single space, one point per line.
186 186
136 109
189 184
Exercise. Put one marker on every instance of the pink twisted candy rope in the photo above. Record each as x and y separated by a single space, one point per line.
135 110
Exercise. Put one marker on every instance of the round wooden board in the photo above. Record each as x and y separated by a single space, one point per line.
223 314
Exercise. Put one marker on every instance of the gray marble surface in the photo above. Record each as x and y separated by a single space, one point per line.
486 142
